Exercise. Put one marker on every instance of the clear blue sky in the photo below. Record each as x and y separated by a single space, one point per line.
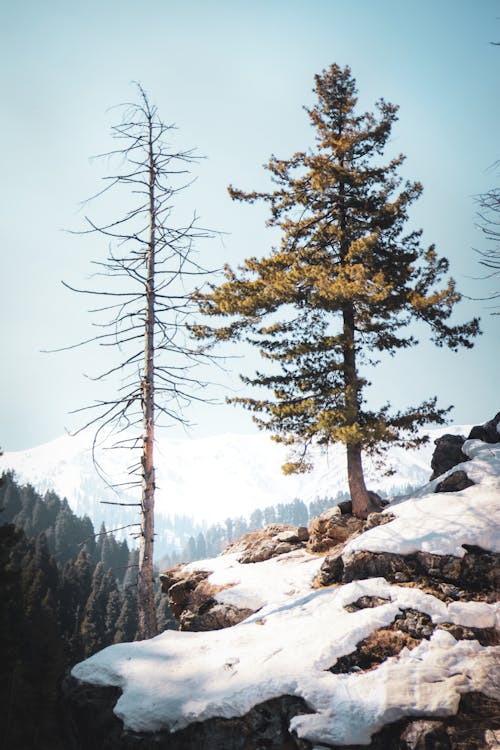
233 76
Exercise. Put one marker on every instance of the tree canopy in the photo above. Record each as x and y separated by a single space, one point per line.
344 285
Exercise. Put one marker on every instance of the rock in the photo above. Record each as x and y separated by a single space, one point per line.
454 482
488 432
447 454
192 597
269 542
332 528
331 571
212 615
366 602
93 725
472 728
193 604
476 575
423 734
181 587
345 507
378 519
294 536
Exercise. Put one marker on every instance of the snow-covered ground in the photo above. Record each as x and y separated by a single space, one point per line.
207 478
297 635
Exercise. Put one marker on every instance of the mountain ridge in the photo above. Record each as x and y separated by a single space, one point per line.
227 465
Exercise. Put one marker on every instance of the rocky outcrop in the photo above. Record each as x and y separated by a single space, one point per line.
487 432
90 717
193 599
454 482
447 454
332 528
475 726
193 604
271 541
476 575
408 629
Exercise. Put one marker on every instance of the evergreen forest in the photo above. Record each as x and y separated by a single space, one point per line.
66 592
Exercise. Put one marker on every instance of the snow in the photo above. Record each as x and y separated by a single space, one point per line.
178 678
254 585
289 645
460 522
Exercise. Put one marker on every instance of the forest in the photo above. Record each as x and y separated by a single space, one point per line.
66 592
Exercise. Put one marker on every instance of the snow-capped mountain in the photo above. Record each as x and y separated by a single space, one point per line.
208 478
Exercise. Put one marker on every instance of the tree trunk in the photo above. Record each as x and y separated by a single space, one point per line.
361 503
145 591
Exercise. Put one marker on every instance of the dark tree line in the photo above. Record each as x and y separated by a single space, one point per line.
65 593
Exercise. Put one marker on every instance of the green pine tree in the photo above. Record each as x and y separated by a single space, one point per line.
126 624
344 285
93 629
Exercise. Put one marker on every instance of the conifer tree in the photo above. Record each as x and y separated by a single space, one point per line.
126 624
343 286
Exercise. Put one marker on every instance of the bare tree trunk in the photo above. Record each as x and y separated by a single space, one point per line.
146 321
145 592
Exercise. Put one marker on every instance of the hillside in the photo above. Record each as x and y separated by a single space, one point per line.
387 640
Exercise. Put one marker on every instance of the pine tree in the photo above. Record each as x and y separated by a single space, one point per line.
93 630
343 286
126 624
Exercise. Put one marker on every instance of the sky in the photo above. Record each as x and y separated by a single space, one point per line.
234 78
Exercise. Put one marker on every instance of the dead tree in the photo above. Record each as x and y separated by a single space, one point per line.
488 215
146 311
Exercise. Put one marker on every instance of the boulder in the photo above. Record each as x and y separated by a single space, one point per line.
454 482
193 604
273 540
487 432
447 454
332 528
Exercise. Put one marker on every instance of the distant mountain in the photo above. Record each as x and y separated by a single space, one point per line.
206 479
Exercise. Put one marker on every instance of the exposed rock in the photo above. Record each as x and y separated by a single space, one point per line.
474 727
487 432
406 631
477 574
294 536
94 725
331 571
454 482
374 650
192 597
447 454
345 507
423 734
181 587
193 604
273 540
378 519
332 528
212 616
366 602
